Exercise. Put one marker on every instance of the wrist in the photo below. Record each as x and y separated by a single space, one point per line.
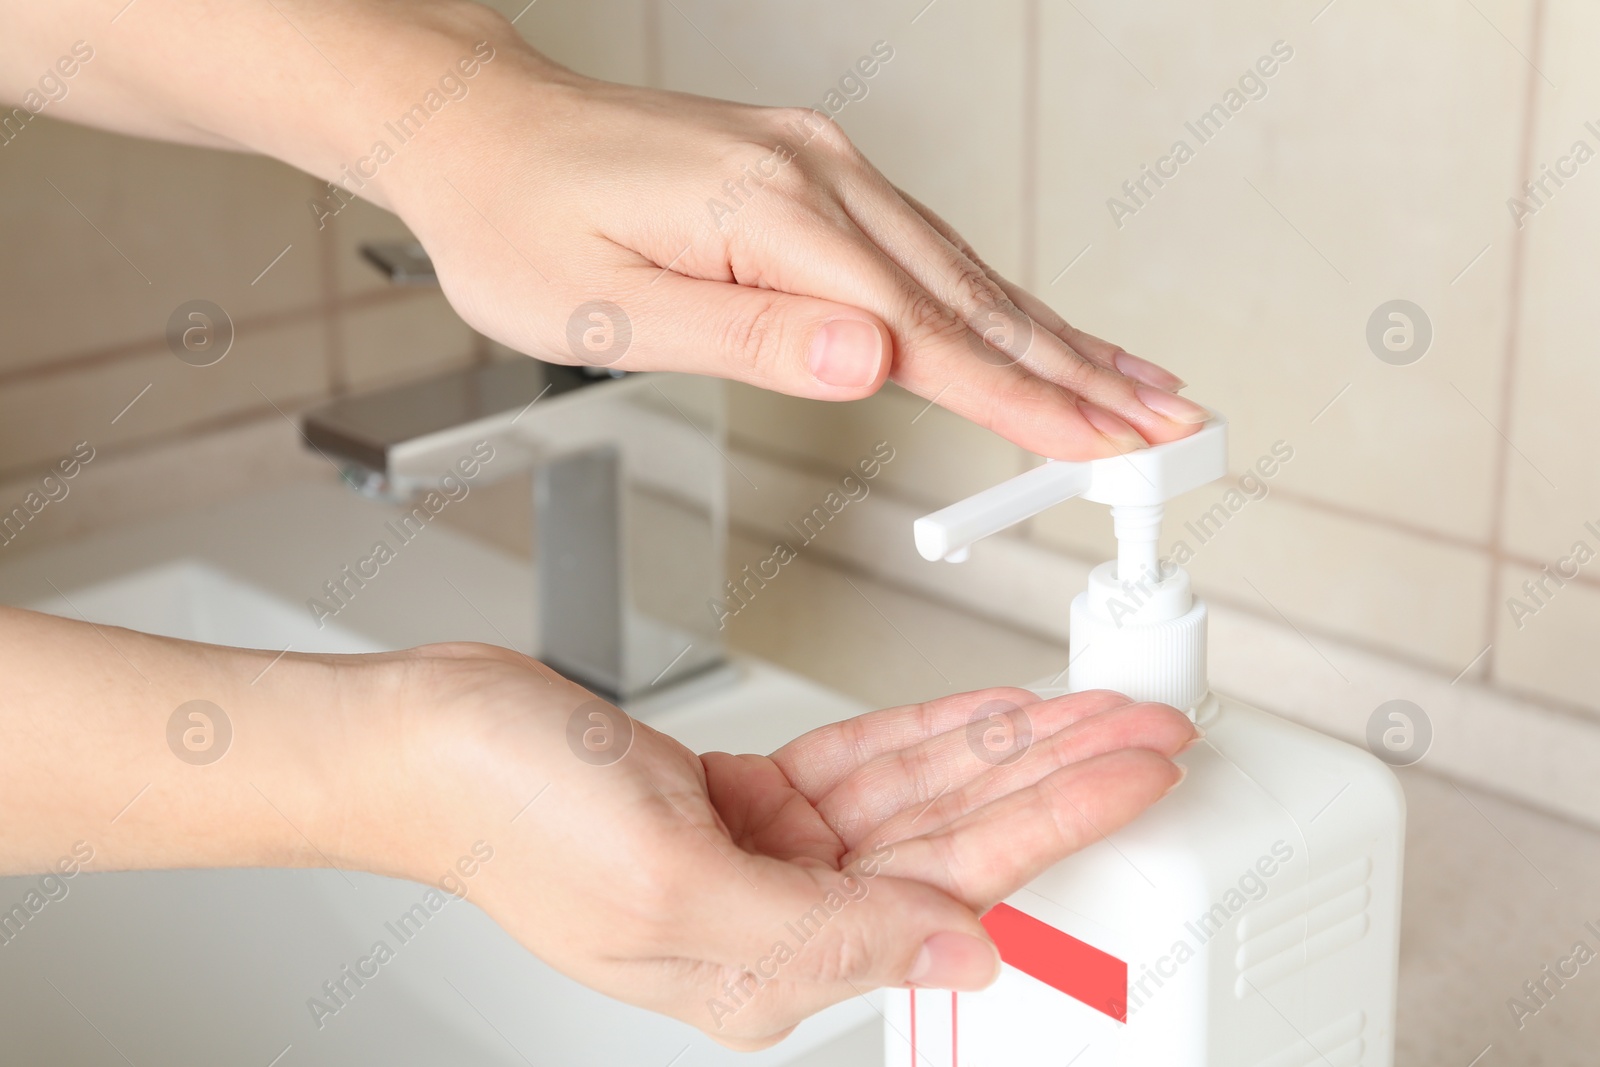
309 775
314 771
375 763
187 755
467 735
429 100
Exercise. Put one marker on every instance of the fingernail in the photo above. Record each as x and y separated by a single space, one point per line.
846 353
1142 370
955 961
1125 437
1183 772
1199 736
1177 408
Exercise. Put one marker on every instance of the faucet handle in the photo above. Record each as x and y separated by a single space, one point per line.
1151 476
402 262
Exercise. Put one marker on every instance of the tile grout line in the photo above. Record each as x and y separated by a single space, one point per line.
822 468
844 563
110 355
1029 185
338 378
134 447
202 428
812 467
1508 367
1384 522
929 588
653 58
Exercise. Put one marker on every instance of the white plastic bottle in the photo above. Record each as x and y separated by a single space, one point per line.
1249 919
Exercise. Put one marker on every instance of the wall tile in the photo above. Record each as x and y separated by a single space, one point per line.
1553 480
191 473
1373 168
939 458
1549 652
42 418
192 223
1077 528
1419 598
404 338
876 642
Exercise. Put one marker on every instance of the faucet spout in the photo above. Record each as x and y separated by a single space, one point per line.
629 499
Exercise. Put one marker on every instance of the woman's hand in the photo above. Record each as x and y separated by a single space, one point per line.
737 893
581 221
744 893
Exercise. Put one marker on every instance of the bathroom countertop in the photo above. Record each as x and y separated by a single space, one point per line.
1494 891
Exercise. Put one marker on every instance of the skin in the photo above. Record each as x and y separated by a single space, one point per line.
541 190
658 878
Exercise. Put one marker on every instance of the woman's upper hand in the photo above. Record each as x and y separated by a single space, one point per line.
581 221
577 220
744 893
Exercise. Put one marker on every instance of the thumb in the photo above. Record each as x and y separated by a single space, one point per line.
809 937
893 932
798 345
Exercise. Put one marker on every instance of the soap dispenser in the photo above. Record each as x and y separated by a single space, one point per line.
1251 918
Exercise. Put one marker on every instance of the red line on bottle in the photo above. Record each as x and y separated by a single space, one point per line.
913 1028
954 1045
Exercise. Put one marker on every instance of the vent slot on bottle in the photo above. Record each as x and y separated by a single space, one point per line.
1306 925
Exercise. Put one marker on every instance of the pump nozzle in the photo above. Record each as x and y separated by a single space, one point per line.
1149 477
948 533
1136 629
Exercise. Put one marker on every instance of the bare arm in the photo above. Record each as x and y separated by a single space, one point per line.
90 756
304 82
125 751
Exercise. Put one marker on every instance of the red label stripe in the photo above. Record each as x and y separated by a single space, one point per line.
1060 960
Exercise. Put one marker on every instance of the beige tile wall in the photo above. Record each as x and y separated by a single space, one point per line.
1376 166
1254 270
1552 483
102 237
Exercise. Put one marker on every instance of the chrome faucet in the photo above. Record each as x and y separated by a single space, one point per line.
630 500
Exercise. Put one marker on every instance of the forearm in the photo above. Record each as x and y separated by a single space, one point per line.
103 746
309 82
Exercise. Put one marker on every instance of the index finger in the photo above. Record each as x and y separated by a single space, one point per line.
818 761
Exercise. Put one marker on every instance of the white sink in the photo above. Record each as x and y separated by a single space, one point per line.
196 600
216 967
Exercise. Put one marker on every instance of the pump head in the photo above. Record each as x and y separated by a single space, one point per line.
1137 629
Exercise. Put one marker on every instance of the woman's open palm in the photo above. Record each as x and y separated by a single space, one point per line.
742 893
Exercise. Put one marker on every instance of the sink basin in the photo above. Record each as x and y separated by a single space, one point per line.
218 966
196 600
